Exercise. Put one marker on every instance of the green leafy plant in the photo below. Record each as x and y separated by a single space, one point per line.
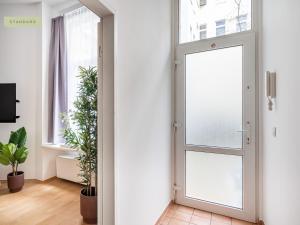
81 128
15 152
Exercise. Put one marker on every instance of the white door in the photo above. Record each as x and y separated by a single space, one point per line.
215 125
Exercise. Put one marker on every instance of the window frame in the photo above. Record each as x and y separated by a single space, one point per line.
65 14
176 23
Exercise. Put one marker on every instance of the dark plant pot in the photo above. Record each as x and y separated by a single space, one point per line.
15 183
88 207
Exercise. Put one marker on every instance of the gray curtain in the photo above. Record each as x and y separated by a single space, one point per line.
58 89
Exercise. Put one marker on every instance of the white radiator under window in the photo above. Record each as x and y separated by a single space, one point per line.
67 168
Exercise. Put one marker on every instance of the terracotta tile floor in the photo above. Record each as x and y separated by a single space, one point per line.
182 215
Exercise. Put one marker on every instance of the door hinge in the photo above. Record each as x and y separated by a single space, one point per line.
174 192
177 62
99 51
176 187
177 125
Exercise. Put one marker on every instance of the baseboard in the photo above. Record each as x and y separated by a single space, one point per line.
29 179
36 180
164 212
49 179
260 222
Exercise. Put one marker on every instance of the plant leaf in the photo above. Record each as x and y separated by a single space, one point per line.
7 154
4 160
18 137
81 124
21 154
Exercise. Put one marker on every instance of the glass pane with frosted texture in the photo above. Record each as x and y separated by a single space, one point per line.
215 178
214 98
236 15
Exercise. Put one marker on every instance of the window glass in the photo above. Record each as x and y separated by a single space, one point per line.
81 32
221 17
241 23
215 178
82 41
203 32
214 98
202 2
220 27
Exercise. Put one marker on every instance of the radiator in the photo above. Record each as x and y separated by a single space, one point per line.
67 168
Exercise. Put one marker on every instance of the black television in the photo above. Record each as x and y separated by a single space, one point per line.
8 103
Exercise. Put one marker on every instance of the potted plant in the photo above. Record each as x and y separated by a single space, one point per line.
15 153
81 133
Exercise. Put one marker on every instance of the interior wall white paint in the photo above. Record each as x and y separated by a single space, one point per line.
259 102
19 60
281 183
29 49
143 102
142 110
46 158
39 92
46 163
49 2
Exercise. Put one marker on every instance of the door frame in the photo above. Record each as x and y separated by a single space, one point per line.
247 39
107 210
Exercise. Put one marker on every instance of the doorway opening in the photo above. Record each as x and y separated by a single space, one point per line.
90 38
215 116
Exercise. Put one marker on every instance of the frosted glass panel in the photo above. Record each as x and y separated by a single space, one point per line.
215 178
201 19
214 98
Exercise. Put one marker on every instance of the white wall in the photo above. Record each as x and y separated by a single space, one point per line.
143 102
143 110
24 60
46 157
281 155
19 63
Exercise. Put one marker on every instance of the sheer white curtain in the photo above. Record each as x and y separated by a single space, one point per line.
81 35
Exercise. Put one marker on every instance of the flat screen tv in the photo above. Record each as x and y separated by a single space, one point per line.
7 103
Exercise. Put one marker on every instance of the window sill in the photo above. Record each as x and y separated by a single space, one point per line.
58 147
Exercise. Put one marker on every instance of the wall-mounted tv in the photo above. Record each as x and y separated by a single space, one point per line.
8 103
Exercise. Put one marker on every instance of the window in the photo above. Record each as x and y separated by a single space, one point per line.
241 23
81 41
203 32
81 32
219 2
192 13
220 28
202 2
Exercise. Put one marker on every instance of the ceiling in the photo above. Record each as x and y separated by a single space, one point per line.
50 2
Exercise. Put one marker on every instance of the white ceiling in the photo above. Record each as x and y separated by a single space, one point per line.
50 2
